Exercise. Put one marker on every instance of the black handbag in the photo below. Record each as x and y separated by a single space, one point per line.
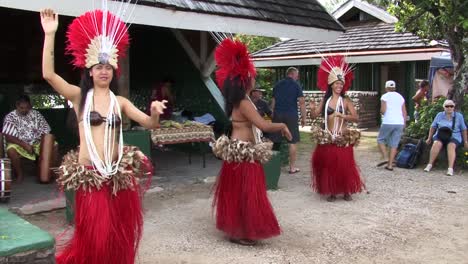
445 133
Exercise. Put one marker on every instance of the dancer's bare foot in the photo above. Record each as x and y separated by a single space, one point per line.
347 197
331 198
244 242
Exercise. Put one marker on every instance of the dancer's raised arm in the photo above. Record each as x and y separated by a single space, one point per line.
49 21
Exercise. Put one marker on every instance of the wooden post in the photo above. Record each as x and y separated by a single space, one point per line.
377 86
410 86
124 84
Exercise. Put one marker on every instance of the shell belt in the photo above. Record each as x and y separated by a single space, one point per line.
234 150
349 137
72 175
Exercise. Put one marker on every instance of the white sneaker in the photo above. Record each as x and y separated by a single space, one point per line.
450 172
428 168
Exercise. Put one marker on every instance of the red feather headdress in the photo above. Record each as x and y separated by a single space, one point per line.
332 69
97 37
233 60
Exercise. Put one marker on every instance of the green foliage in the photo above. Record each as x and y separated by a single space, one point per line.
427 113
430 19
265 77
256 43
464 159
265 81
438 20
45 101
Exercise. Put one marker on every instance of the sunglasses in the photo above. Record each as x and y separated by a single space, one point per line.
449 106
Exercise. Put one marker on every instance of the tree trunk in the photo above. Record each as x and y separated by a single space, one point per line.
456 93
460 85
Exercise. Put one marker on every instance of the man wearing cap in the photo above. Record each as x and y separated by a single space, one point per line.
393 109
262 106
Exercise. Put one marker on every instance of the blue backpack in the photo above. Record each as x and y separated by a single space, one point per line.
409 155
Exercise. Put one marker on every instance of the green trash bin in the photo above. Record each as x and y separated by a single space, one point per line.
70 205
283 149
273 171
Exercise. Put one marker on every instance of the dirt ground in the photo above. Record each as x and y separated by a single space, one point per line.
407 216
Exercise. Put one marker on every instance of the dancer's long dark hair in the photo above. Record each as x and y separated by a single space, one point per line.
328 94
234 93
86 84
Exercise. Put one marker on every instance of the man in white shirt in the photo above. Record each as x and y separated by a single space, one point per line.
394 114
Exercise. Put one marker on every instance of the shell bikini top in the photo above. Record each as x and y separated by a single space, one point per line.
96 119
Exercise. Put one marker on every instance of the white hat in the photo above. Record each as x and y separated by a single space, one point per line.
448 102
390 84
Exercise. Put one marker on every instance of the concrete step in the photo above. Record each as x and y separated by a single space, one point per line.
22 242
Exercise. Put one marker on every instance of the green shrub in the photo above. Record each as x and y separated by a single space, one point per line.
464 159
427 113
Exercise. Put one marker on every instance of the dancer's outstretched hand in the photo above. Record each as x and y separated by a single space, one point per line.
49 21
157 107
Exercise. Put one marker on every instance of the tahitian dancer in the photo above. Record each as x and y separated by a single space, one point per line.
243 211
334 170
108 212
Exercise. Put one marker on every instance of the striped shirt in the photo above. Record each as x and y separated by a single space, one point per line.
28 128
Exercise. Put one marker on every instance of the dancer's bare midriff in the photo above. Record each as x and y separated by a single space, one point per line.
97 132
331 124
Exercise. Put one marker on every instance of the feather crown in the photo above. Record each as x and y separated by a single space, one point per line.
97 37
332 69
233 60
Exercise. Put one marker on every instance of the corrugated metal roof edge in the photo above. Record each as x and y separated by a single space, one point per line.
272 46
176 8
350 53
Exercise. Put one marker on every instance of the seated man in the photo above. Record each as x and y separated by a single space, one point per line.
262 106
24 128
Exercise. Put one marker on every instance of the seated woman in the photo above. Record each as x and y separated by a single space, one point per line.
160 92
443 123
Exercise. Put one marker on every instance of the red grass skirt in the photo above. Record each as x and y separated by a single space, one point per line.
108 227
334 170
243 210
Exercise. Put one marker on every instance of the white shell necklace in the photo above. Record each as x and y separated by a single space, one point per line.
108 166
